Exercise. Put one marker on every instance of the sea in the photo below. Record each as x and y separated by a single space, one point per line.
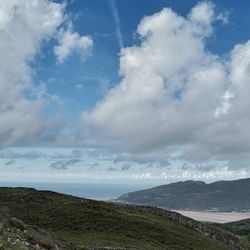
94 191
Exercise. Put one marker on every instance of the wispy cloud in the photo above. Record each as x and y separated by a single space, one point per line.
10 162
62 164
116 18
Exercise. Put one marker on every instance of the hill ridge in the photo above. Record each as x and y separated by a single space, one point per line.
195 195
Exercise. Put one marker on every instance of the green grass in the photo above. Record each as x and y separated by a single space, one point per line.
85 223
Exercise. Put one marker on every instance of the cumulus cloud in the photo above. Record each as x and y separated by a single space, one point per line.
24 27
70 42
175 96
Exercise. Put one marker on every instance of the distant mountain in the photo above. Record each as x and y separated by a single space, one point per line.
31 219
196 195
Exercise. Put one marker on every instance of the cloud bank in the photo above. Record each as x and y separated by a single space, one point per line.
74 165
175 96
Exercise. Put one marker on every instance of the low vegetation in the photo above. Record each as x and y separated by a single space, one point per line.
241 228
49 220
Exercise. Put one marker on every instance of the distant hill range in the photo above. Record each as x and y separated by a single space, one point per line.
196 195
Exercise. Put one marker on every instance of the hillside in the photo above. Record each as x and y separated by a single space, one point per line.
241 228
49 220
16 235
196 195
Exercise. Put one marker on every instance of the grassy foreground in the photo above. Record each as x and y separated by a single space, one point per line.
66 222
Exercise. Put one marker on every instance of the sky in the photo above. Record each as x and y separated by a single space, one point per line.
120 91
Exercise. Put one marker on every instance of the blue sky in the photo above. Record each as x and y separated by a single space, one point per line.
95 18
155 90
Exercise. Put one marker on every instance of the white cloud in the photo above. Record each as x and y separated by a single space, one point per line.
171 89
70 42
203 14
225 104
24 27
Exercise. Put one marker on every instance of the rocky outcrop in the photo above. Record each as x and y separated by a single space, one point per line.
229 239
14 233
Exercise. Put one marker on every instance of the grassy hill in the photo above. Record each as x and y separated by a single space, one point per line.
196 195
56 221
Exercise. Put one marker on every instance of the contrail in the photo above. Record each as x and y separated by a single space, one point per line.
117 22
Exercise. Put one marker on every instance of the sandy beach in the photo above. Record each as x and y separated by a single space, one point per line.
219 217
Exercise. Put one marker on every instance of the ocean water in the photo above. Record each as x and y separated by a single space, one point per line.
91 191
